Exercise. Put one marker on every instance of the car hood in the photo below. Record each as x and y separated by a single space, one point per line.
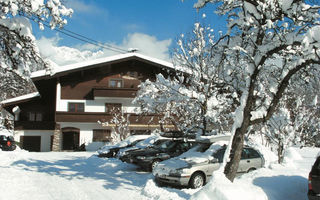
178 163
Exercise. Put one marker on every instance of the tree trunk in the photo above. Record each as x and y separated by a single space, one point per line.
280 152
235 154
231 167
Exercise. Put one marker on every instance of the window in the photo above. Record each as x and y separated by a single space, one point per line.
219 155
252 153
115 83
140 132
113 107
101 135
76 107
35 116
133 74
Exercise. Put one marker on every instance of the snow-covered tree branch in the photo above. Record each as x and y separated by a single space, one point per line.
18 53
193 98
272 41
120 125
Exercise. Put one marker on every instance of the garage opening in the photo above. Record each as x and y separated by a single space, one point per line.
70 138
31 143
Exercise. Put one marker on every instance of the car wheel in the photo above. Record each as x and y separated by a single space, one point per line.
196 180
153 164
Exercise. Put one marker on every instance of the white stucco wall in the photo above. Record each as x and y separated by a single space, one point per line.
98 105
86 134
45 137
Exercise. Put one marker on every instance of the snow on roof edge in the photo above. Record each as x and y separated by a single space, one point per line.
20 98
80 65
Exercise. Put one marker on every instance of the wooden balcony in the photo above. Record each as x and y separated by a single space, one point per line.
92 117
114 92
34 125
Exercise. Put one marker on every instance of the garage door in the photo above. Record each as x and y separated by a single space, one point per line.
30 143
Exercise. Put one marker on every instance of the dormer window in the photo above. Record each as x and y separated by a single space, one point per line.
116 83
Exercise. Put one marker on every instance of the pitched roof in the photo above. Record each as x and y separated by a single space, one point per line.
60 70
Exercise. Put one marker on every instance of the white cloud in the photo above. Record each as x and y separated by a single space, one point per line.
62 55
80 6
148 45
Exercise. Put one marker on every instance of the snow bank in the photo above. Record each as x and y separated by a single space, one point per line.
221 188
277 182
154 192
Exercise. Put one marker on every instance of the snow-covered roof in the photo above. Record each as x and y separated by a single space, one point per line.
21 98
82 65
58 70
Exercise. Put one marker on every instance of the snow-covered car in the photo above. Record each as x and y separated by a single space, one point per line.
195 167
149 142
148 158
314 181
111 151
7 143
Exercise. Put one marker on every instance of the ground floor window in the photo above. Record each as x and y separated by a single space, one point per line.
101 135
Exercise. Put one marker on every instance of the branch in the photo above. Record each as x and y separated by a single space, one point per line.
281 88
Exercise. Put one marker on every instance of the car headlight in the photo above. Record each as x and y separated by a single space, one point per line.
178 172
141 157
145 157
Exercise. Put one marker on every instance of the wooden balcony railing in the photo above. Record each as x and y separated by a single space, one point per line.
34 125
103 117
114 92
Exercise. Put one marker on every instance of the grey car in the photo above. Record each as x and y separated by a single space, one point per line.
195 173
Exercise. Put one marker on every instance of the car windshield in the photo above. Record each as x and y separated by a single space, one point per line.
3 138
165 145
134 143
201 147
219 154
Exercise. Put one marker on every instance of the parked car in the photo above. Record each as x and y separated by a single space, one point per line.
147 143
195 170
7 143
111 151
314 181
148 158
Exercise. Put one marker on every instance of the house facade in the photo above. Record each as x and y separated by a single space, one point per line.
70 102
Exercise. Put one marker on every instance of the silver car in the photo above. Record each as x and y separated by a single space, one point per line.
195 172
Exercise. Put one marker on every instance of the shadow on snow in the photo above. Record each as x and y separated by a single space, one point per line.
283 187
114 173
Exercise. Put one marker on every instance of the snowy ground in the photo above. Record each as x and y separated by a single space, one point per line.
82 175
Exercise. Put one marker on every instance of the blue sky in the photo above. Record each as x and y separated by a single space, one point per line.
114 21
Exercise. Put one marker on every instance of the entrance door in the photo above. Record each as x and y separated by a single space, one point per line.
70 139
